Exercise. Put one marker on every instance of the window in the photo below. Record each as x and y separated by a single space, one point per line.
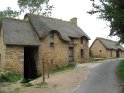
82 52
82 40
100 50
51 45
52 35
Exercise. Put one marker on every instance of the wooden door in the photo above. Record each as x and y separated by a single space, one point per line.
71 55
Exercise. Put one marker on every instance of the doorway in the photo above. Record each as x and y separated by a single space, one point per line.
71 55
118 53
30 56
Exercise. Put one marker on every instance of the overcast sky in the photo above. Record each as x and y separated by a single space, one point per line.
67 9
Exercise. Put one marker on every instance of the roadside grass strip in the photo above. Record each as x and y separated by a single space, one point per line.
121 70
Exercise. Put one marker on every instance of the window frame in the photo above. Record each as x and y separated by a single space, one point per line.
52 45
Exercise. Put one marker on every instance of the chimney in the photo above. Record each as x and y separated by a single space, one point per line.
73 20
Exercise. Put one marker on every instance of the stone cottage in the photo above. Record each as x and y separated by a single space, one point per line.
105 48
24 44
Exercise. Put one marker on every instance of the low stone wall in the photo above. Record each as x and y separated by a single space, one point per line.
14 60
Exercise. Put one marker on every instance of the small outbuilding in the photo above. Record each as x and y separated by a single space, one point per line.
105 48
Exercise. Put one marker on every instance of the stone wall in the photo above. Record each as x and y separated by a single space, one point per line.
111 53
2 51
77 50
55 57
98 50
58 56
14 60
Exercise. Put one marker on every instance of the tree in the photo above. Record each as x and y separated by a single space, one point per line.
29 6
9 13
113 12
35 6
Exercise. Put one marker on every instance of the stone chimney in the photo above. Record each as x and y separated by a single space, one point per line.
73 20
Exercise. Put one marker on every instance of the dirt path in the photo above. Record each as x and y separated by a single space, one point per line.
64 82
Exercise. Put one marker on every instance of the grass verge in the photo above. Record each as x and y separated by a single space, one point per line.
121 70
7 76
61 69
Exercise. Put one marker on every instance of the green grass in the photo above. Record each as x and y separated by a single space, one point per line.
60 69
121 70
7 76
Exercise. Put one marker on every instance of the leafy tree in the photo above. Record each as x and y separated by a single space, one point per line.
9 13
35 6
112 11
29 6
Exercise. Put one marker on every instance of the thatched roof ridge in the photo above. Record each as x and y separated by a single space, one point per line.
43 25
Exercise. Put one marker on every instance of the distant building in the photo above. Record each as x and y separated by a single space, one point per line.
105 48
25 43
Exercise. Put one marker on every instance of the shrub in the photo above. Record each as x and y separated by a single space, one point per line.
7 76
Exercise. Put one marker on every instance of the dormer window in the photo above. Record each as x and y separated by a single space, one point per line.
52 35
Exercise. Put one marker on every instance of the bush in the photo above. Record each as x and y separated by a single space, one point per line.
7 76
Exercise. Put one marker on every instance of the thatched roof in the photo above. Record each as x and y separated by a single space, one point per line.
43 25
17 32
109 44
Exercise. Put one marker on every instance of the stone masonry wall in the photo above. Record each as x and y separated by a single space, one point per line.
58 56
111 53
77 51
53 57
2 51
98 50
122 54
14 60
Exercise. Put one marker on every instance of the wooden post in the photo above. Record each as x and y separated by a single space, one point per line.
48 70
43 71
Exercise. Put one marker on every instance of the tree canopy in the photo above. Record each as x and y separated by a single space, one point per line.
39 7
112 11
35 6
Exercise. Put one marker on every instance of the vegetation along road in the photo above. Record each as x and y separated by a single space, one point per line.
102 79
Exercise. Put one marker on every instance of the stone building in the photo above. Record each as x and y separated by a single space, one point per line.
105 48
24 44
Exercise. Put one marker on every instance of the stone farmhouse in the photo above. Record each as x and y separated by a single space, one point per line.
25 44
105 48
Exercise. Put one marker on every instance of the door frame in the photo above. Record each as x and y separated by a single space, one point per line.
30 63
